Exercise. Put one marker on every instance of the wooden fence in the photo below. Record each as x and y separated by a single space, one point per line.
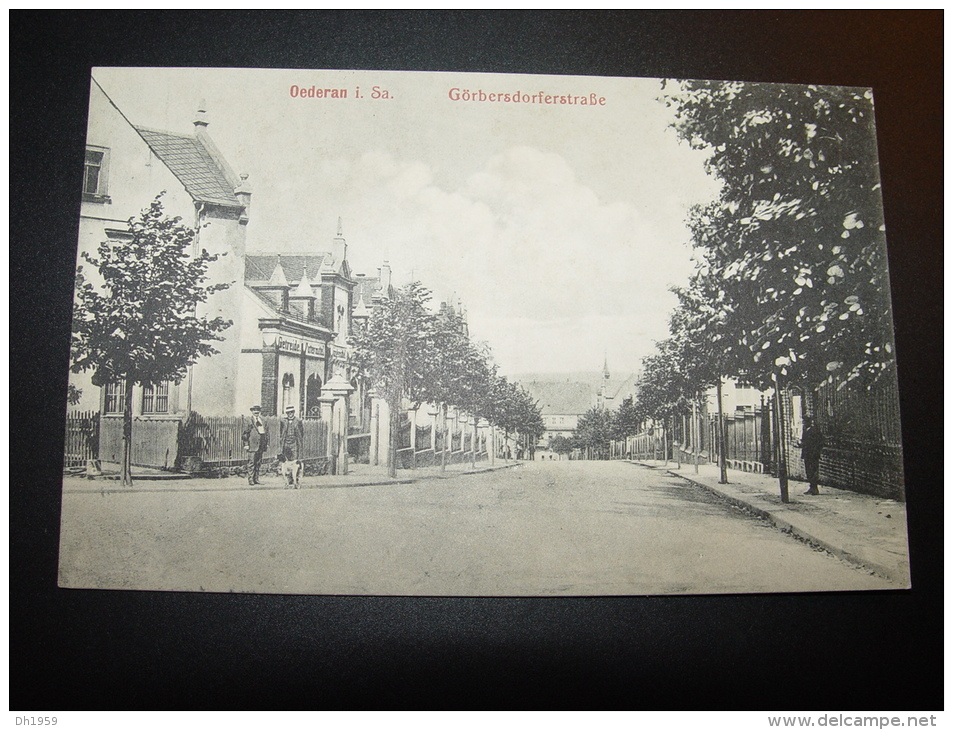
748 442
82 438
155 443
199 442
217 440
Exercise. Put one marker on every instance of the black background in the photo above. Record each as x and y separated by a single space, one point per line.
139 650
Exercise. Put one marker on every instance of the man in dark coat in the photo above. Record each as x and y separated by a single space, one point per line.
255 438
812 443
292 435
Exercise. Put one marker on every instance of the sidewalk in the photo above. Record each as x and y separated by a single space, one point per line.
359 475
868 531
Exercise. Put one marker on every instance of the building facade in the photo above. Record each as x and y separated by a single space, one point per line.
126 167
291 314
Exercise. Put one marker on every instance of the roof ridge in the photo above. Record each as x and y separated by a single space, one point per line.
155 130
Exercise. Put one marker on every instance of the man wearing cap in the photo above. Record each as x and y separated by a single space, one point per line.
255 438
292 435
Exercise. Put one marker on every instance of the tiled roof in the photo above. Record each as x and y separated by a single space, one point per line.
366 287
275 310
192 163
260 268
265 299
619 391
562 398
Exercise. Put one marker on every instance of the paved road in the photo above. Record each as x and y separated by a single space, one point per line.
550 528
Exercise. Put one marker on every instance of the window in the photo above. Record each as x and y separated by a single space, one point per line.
287 386
115 398
155 398
94 174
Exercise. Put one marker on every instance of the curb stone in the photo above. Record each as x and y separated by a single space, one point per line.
792 522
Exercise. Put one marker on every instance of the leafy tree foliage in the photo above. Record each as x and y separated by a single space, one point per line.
560 444
594 432
665 388
406 351
796 239
73 394
396 353
141 326
627 419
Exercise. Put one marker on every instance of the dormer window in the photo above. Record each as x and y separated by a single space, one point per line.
94 174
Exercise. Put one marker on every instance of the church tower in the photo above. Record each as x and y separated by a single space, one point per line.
604 388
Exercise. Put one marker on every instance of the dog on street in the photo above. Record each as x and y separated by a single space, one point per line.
291 470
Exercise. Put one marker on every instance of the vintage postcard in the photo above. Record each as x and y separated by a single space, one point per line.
393 333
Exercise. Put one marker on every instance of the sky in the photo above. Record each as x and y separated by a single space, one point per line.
559 226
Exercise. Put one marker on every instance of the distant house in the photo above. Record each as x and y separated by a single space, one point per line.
563 398
561 404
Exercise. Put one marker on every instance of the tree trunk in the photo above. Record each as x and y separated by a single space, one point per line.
473 444
782 450
696 432
392 446
125 468
413 441
665 441
446 439
722 457
678 445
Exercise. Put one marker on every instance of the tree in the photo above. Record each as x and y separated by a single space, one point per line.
701 327
797 235
140 326
476 388
594 432
447 375
73 394
396 352
626 420
560 444
517 412
664 390
527 418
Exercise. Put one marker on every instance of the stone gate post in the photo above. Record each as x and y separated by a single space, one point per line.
337 388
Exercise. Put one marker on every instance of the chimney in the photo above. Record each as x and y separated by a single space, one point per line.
201 118
243 193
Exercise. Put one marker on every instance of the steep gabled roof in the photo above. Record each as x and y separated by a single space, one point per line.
620 390
260 268
206 178
560 398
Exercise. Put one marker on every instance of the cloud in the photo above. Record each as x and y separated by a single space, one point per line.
525 244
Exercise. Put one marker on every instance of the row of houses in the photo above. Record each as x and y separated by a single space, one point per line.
292 312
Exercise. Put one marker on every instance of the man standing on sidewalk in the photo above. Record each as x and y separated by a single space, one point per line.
812 443
292 435
255 437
